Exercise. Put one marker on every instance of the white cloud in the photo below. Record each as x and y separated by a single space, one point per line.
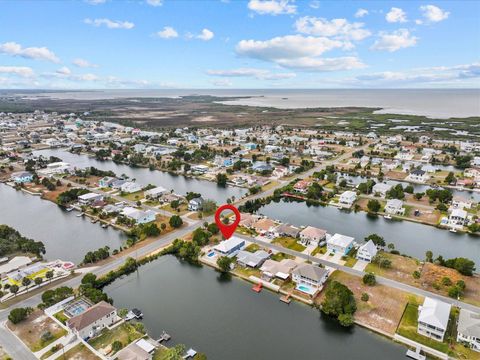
396 15
339 28
272 7
23 71
433 14
222 82
64 71
111 24
155 2
259 74
36 53
95 2
83 63
315 4
361 13
205 35
395 40
299 52
168 32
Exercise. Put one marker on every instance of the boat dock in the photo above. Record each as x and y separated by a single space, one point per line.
286 298
257 288
164 337
415 354
190 354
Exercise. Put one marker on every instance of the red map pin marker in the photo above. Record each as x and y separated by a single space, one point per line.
227 230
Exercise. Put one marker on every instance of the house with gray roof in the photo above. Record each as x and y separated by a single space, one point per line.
468 329
253 260
309 278
433 318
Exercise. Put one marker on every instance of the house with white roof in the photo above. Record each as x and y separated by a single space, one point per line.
130 187
367 251
140 216
381 189
88 198
394 207
278 269
457 218
468 329
253 260
339 243
433 318
155 193
229 247
418 176
347 199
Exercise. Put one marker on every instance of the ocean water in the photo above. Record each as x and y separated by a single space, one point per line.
433 103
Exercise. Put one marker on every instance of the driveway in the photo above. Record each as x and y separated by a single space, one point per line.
360 265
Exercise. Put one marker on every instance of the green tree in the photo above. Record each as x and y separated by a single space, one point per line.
374 205
365 297
26 282
19 314
377 240
222 179
117 345
369 279
38 280
416 274
339 301
175 221
224 263
429 256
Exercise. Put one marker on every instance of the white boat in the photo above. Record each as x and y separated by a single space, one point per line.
80 215
452 230
69 208
415 354
388 217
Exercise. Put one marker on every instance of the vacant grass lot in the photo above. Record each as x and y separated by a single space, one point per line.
79 352
289 243
125 333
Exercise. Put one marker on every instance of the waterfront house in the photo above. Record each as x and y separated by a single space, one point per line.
229 247
302 186
200 169
286 230
130 187
261 167
459 202
277 269
106 181
340 244
253 260
196 204
264 226
309 278
433 318
347 199
381 189
89 198
247 219
473 172
93 320
155 193
367 251
457 218
394 207
140 216
22 177
468 329
312 234
418 175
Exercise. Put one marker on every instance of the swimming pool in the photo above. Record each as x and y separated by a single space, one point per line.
211 254
306 289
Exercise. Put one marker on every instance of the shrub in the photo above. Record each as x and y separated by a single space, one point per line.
369 279
365 297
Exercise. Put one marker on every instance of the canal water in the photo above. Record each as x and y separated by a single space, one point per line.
65 236
226 320
409 238
180 184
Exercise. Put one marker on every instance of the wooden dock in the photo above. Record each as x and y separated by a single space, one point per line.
257 288
164 337
286 298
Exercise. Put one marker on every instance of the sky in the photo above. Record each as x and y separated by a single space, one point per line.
129 44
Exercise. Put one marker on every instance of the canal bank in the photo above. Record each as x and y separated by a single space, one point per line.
409 238
180 184
225 320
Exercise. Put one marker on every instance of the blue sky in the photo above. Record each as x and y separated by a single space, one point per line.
239 44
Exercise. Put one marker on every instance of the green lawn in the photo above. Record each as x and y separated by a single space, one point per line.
252 248
125 333
319 250
289 243
60 316
134 196
280 256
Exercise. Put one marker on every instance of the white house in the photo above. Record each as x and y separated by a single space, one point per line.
394 207
229 247
339 243
155 193
130 187
381 189
468 329
89 198
433 318
347 199
140 216
457 218
367 251
253 260
312 235
90 322
196 204
309 278
417 175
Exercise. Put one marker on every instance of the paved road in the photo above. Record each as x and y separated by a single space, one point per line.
380 280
